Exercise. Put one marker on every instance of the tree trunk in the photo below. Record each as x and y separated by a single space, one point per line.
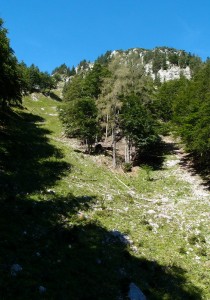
114 146
127 151
107 126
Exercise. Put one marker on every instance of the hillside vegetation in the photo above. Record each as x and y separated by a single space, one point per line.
99 185
78 230
120 99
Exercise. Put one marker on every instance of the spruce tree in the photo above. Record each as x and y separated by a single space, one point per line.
10 72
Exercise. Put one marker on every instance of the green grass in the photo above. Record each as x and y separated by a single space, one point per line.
59 209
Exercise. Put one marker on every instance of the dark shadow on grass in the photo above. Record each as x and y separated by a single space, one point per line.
54 96
28 162
155 157
60 251
60 248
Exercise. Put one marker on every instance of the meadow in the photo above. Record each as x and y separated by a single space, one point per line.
71 227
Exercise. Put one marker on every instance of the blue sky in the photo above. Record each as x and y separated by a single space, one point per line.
49 33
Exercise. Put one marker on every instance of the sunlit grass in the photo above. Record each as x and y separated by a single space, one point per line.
68 219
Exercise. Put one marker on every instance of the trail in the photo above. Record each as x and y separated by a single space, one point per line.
164 220
185 171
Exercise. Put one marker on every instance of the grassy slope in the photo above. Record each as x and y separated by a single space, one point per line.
59 209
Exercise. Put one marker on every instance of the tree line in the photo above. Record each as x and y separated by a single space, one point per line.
16 79
114 100
185 105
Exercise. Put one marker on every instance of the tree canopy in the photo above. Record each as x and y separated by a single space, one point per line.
186 103
80 120
10 72
138 124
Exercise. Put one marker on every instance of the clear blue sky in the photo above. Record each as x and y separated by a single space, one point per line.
49 33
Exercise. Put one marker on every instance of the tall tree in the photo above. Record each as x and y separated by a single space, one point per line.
74 89
79 117
93 80
138 124
10 72
126 78
110 103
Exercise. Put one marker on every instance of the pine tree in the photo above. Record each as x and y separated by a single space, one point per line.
10 72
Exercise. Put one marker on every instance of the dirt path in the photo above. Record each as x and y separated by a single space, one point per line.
177 163
184 170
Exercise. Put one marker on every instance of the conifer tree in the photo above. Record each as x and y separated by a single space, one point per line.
10 72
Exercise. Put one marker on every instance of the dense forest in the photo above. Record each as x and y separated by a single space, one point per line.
127 103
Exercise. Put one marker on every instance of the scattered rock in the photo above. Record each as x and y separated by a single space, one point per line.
172 163
134 249
109 197
16 268
34 97
98 261
131 193
135 293
42 289
49 191
122 237
151 211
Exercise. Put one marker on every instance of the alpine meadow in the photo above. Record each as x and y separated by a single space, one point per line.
105 177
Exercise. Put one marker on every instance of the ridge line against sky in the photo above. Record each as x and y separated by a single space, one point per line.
49 33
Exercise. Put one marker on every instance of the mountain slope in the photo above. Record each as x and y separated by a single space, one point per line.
69 218
161 63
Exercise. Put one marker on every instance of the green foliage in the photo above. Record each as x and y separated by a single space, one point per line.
138 124
128 103
161 55
79 117
94 79
104 59
159 61
148 169
35 80
60 211
16 78
10 72
184 59
74 89
57 77
127 167
187 104
194 117
166 97
83 66
88 85
173 58
64 71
